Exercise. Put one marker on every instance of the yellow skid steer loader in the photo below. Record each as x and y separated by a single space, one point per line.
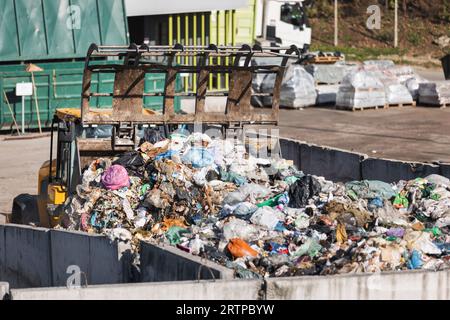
85 134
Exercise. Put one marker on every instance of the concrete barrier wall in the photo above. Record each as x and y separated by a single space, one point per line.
444 169
26 258
181 290
404 285
290 149
96 256
166 263
333 164
4 290
421 285
343 166
37 257
393 170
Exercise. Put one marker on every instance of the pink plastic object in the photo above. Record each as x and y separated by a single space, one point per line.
115 177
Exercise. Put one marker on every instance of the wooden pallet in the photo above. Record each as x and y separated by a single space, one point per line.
401 105
326 59
438 106
361 108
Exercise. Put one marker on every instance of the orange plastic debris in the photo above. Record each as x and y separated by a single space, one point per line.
239 248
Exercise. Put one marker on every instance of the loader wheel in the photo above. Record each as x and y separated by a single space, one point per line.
25 210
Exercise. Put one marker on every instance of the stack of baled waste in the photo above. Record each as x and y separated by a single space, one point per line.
297 89
435 93
359 90
396 92
330 73
261 216
409 78
327 94
258 79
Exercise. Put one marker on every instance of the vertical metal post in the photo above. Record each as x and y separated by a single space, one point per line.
336 32
210 59
233 28
186 43
396 25
194 42
227 42
218 75
203 29
23 114
178 34
170 30
255 12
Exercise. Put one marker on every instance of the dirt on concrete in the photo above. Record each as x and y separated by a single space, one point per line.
20 162
408 133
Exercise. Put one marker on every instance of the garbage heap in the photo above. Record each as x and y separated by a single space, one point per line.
262 217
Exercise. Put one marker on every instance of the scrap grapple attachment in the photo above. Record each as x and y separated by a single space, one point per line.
203 61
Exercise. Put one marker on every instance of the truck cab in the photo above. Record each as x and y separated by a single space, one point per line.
284 22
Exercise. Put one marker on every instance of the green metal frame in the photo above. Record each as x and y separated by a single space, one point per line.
38 29
59 86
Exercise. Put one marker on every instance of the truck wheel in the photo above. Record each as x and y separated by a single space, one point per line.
25 209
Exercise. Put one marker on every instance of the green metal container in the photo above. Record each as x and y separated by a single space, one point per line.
59 29
59 86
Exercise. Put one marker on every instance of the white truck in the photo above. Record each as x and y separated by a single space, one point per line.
280 22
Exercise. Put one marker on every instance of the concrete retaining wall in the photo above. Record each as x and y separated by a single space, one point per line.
171 264
26 260
96 255
404 285
37 257
183 290
422 285
4 290
343 166
393 170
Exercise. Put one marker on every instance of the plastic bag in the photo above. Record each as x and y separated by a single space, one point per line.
421 241
239 248
396 232
311 247
370 189
302 221
174 234
196 245
302 190
438 180
415 261
115 177
266 217
249 191
238 228
198 157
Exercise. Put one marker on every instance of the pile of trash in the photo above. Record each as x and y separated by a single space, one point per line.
261 216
